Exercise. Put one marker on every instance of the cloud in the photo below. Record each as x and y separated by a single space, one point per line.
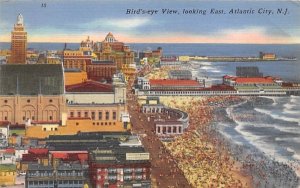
114 23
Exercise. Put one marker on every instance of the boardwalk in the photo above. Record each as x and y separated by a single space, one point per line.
164 169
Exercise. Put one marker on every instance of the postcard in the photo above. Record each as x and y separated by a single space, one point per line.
99 93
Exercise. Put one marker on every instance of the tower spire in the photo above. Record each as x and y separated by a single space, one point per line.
20 19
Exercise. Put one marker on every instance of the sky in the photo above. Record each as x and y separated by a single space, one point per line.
74 20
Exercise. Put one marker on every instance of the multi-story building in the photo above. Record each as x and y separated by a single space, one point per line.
31 93
120 166
7 174
112 50
18 42
101 71
77 59
91 107
115 158
64 175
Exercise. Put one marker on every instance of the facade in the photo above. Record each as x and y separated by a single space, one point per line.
74 76
31 93
169 62
77 59
64 175
168 129
168 122
7 174
112 50
267 56
101 70
18 42
91 107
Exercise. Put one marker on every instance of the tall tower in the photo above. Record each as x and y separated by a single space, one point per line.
18 42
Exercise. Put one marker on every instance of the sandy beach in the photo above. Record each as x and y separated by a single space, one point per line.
200 156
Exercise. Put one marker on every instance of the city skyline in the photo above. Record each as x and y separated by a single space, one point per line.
52 23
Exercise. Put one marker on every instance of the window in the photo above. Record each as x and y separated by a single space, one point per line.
28 101
71 114
78 114
106 115
86 114
45 129
50 100
114 115
5 118
50 117
5 101
100 115
93 115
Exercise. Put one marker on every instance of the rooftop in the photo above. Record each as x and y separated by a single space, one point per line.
89 86
36 166
31 79
7 167
254 80
120 155
167 82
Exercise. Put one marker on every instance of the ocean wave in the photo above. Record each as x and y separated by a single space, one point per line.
276 116
290 139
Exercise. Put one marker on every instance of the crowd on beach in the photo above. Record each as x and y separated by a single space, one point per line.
207 159
197 153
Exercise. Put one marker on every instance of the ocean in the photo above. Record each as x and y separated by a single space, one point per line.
270 125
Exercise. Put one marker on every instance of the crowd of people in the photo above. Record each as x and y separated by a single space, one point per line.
201 157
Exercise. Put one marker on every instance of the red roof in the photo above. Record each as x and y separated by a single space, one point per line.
10 150
89 86
174 82
60 155
254 80
38 151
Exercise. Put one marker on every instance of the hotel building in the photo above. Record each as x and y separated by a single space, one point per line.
18 42
114 160
31 93
112 50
